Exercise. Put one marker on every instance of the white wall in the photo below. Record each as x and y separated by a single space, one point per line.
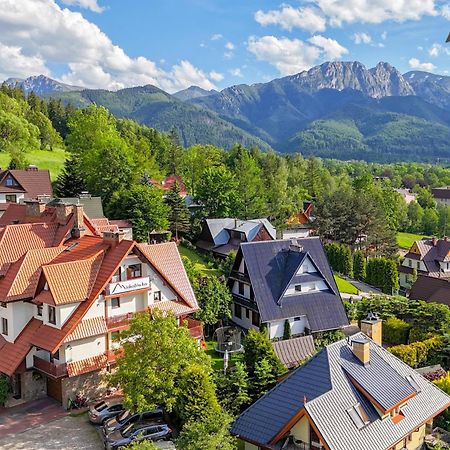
414 264
235 289
19 195
276 328
65 311
296 233
245 322
18 314
85 348
307 267
97 309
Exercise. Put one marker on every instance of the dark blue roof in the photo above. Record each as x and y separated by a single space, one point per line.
394 389
272 266
265 418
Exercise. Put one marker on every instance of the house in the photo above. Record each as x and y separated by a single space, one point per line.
429 257
441 195
407 195
353 394
222 236
431 289
18 185
275 281
168 183
300 224
92 206
66 289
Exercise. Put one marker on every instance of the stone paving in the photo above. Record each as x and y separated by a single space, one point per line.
66 433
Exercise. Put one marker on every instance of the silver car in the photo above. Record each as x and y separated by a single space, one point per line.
102 411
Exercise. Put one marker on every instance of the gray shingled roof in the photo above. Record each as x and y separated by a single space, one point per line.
292 351
271 266
330 393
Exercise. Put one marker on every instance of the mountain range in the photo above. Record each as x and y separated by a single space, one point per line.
338 109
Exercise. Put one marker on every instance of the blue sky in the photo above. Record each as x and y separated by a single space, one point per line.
214 43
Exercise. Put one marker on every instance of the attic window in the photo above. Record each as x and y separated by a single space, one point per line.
358 416
10 181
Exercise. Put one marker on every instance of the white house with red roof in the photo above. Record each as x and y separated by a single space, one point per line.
66 289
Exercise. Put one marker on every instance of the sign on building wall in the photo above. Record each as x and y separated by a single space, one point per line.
129 285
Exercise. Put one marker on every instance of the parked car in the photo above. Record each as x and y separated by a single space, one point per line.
137 433
126 418
102 411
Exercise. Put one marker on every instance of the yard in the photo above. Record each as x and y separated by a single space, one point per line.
217 358
345 286
199 260
406 240
43 159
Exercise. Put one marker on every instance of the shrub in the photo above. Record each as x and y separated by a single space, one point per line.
287 333
418 353
359 265
4 389
406 353
395 331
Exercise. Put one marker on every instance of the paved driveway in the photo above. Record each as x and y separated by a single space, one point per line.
66 433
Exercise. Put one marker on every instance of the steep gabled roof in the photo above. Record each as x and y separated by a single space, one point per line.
32 182
166 259
271 266
325 392
431 289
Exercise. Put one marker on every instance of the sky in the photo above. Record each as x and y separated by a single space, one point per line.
173 44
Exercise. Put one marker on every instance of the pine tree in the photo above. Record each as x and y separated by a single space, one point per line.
179 213
69 183
264 379
359 265
287 333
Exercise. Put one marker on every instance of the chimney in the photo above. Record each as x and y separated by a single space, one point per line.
32 168
63 211
294 246
34 208
371 326
113 238
78 229
434 241
361 349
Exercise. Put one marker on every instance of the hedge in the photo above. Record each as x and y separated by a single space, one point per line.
417 354
395 331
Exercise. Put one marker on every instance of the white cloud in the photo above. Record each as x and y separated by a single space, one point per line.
228 55
289 56
414 63
216 37
445 12
216 76
375 11
236 72
288 17
331 49
437 49
362 38
229 46
88 4
37 33
384 35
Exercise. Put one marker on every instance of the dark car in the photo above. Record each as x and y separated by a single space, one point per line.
137 433
102 411
126 418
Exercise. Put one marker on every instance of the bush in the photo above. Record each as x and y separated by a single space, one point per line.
287 333
417 335
4 389
395 331
351 310
418 353
406 353
359 265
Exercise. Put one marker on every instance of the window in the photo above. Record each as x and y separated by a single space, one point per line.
54 356
247 313
10 181
297 319
241 288
11 198
418 264
157 296
134 271
115 302
51 314
4 326
410 262
116 276
238 311
39 310
298 287
3 304
255 318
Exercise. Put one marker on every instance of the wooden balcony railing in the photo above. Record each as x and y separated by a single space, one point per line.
116 322
49 368
195 328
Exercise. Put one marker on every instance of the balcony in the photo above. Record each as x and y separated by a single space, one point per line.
239 276
49 368
117 322
122 287
195 328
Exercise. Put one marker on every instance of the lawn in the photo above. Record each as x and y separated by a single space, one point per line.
217 358
43 159
406 240
345 286
200 262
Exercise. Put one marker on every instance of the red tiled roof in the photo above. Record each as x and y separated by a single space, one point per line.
166 259
21 279
14 353
86 365
72 281
95 326
121 223
178 308
32 182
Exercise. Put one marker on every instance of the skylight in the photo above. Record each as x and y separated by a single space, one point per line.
413 383
358 415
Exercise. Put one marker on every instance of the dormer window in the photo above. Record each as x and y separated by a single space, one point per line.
10 181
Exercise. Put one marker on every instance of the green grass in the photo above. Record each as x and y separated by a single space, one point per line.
43 159
406 240
345 286
200 262
217 358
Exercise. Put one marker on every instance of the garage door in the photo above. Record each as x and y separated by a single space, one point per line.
54 389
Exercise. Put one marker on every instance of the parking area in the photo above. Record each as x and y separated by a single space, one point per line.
66 433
